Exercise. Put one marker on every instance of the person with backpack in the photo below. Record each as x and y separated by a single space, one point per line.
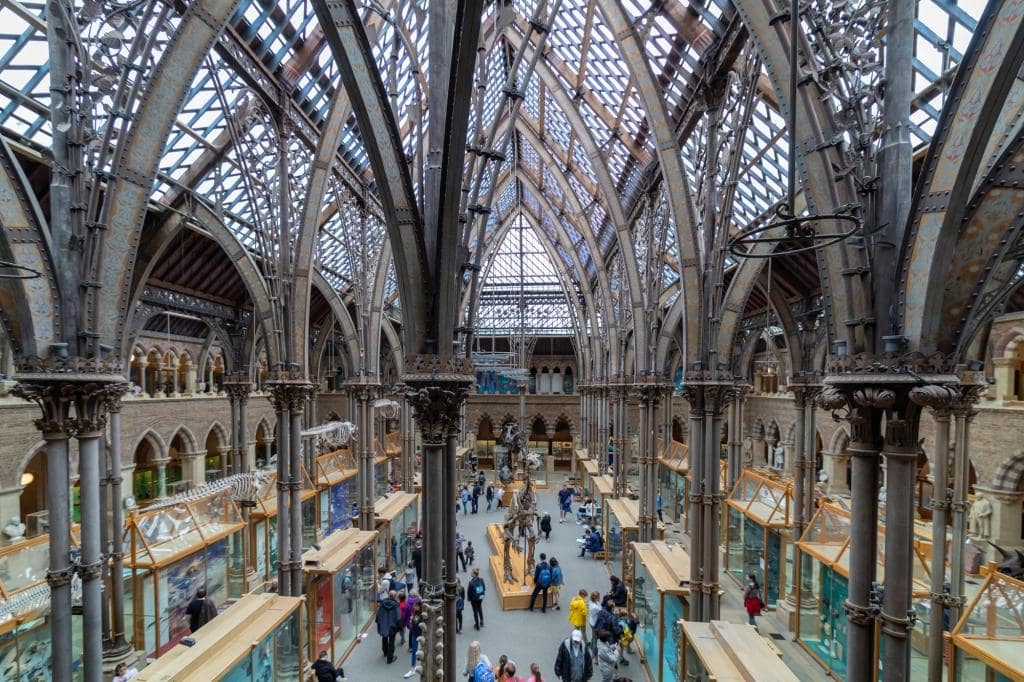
752 602
556 582
200 610
403 610
545 525
383 584
593 609
564 503
460 604
389 622
476 598
541 583
574 662
489 495
411 603
476 498
478 666
607 621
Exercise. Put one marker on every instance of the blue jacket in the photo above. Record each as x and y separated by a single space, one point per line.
389 617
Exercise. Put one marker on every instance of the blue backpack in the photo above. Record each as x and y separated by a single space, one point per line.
557 577
483 673
544 577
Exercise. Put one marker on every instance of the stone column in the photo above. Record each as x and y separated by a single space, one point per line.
617 395
280 397
158 382
190 379
1004 369
364 394
836 464
651 394
238 388
437 387
118 647
161 476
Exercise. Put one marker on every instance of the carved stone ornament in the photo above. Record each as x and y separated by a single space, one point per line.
91 396
436 408
937 397
288 395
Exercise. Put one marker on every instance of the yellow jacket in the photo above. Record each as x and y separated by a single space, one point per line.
578 612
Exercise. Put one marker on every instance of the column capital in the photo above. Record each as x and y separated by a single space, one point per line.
288 393
55 393
437 385
237 386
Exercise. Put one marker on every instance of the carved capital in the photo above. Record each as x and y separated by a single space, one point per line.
289 395
436 408
938 397
55 394
238 387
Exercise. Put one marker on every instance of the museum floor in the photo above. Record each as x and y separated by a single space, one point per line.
534 637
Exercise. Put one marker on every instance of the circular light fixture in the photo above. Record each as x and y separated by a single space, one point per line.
799 234
27 478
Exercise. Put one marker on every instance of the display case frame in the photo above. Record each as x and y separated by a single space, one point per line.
759 532
673 467
661 593
336 484
990 633
175 550
340 581
262 526
729 651
397 523
258 639
621 519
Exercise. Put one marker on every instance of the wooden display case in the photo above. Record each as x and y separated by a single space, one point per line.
660 593
727 651
990 633
263 526
397 523
620 528
259 639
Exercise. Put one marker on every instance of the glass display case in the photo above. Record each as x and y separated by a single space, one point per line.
728 651
990 633
25 652
381 476
660 599
589 471
258 639
397 523
263 525
173 551
673 465
621 525
822 583
336 484
340 591
759 536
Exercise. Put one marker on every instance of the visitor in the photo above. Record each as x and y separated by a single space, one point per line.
578 612
415 631
411 605
323 669
535 675
574 662
659 504
510 673
410 575
478 666
200 610
752 602
403 610
593 609
489 494
122 673
476 498
556 583
592 543
470 553
460 604
417 555
499 670
607 621
541 583
465 500
499 492
564 502
383 584
619 593
476 598
607 655
460 556
590 512
545 525
389 622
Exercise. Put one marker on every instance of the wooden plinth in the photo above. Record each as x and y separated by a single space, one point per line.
512 596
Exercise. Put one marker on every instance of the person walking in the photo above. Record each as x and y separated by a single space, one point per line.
499 670
410 575
478 666
545 525
403 616
659 504
578 612
607 655
574 662
460 556
752 601
541 583
535 675
489 495
564 502
417 558
593 609
415 630
476 598
200 610
460 604
389 621
464 496
476 498
470 552
556 583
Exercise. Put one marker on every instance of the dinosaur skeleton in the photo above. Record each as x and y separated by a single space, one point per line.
521 517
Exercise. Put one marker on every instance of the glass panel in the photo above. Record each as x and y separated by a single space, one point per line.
342 504
773 567
734 543
242 672
286 649
647 604
815 609
263 660
323 609
24 567
753 550
344 609
325 512
308 523
675 611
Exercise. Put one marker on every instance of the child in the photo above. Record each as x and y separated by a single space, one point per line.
410 575
469 552
534 673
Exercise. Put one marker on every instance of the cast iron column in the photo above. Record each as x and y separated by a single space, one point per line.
278 392
297 404
118 645
437 388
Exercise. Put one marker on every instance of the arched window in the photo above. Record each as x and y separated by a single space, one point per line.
567 381
556 380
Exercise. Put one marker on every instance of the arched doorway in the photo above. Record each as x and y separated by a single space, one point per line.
264 446
153 473
539 441
677 431
33 494
216 462
485 442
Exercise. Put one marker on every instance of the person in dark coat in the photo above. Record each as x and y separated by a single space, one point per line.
540 584
325 671
417 559
619 594
389 620
574 662
545 525
200 610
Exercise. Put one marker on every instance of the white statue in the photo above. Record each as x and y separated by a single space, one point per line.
981 517
14 531
778 457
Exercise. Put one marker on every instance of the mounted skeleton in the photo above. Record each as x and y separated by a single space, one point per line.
521 517
514 440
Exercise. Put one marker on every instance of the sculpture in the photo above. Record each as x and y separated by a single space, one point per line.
981 517
14 530
521 517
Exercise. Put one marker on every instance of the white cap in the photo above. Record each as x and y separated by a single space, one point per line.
577 636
